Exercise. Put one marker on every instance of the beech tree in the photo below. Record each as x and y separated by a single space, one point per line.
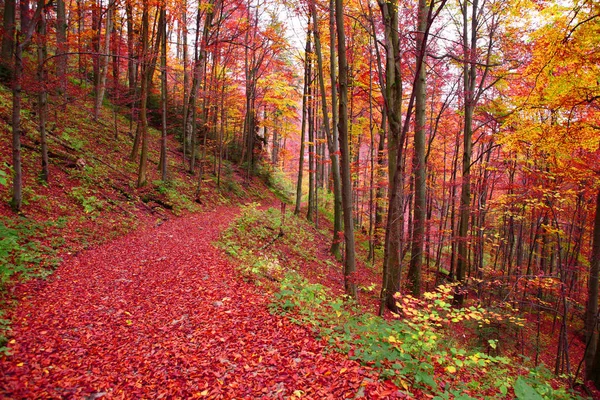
350 256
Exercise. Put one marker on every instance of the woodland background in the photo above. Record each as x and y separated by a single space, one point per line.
451 143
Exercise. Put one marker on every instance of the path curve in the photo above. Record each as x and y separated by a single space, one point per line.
161 313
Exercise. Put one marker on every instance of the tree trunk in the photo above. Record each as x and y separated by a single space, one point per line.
144 100
8 37
103 61
393 108
163 94
131 59
591 311
43 93
469 77
186 79
419 167
307 52
17 195
311 100
334 146
350 261
61 47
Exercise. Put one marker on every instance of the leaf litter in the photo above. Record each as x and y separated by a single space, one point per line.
161 313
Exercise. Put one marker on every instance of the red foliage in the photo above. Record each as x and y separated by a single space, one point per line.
160 313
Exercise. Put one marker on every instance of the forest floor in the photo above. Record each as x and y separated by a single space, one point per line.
160 313
112 291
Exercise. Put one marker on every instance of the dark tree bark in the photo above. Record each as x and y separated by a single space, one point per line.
350 256
393 108
163 93
419 166
20 44
43 93
61 46
145 75
8 38
592 355
333 143
307 74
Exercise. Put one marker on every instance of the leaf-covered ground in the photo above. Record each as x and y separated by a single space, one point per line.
160 313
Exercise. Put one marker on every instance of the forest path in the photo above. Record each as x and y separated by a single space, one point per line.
161 313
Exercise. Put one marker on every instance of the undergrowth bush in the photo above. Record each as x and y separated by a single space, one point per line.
89 202
277 182
21 252
266 242
417 352
174 192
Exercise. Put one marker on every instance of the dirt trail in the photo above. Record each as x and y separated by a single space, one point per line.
161 313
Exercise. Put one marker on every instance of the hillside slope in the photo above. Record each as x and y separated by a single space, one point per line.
91 195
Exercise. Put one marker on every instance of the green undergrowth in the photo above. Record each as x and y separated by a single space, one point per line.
276 181
267 243
21 252
418 350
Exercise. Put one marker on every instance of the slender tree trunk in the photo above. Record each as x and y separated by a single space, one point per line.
311 100
116 68
303 128
81 58
419 167
17 195
8 37
350 261
393 108
61 47
333 141
95 41
131 59
103 61
25 17
144 100
43 93
592 355
163 94
199 67
186 79
469 72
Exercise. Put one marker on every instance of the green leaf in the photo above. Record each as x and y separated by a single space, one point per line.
463 397
426 379
525 392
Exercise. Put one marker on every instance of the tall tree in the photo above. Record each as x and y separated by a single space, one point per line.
42 76
307 75
163 93
104 57
333 141
419 166
23 39
475 73
145 83
392 95
350 254
61 46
